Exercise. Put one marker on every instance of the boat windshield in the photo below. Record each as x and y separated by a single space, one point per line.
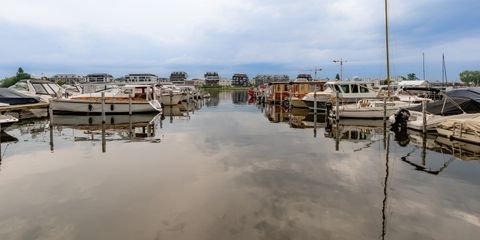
49 89
55 87
39 89
20 86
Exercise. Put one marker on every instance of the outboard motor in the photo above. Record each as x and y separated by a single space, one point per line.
401 118
399 127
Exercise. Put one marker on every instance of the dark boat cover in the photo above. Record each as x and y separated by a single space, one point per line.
13 97
468 99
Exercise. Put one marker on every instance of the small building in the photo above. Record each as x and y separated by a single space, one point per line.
69 79
178 78
141 78
261 79
99 78
212 79
225 82
240 80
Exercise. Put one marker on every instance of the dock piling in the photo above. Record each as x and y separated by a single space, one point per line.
103 107
337 108
424 113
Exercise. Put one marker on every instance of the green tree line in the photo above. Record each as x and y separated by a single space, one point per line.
9 81
470 77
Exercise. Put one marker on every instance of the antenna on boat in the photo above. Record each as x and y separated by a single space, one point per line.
444 71
423 61
386 44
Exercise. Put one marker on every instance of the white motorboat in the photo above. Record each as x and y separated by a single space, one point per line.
457 104
129 98
348 92
40 88
171 95
370 109
467 130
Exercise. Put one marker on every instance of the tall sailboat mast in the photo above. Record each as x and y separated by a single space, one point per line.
386 44
444 71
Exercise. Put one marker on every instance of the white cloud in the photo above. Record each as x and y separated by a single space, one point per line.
217 32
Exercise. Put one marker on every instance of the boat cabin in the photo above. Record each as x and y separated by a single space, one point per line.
300 89
352 90
278 91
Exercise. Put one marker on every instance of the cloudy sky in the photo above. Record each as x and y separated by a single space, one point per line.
228 36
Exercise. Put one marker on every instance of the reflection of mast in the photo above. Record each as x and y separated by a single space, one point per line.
384 220
384 206
104 142
423 166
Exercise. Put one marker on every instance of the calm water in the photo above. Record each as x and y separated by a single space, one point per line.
232 170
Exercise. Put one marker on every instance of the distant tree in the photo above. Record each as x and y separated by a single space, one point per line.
61 82
412 76
470 77
7 82
337 77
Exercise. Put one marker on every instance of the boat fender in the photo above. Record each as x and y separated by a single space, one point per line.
112 120
112 107
89 107
90 121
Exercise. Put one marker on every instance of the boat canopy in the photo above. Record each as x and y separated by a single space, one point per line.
13 97
455 101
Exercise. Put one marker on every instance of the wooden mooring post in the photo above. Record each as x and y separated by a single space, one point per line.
424 113
337 107
103 107
130 104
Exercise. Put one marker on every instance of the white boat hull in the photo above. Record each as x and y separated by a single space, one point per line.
174 99
111 107
370 109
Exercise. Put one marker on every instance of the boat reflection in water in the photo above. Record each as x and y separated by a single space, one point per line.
176 112
305 118
365 132
128 128
432 154
276 113
5 140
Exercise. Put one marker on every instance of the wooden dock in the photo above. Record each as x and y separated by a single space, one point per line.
20 107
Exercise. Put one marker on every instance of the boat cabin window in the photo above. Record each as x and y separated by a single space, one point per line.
127 91
39 89
20 86
363 88
354 88
345 88
337 88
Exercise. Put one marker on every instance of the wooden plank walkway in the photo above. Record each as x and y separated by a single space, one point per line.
20 107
